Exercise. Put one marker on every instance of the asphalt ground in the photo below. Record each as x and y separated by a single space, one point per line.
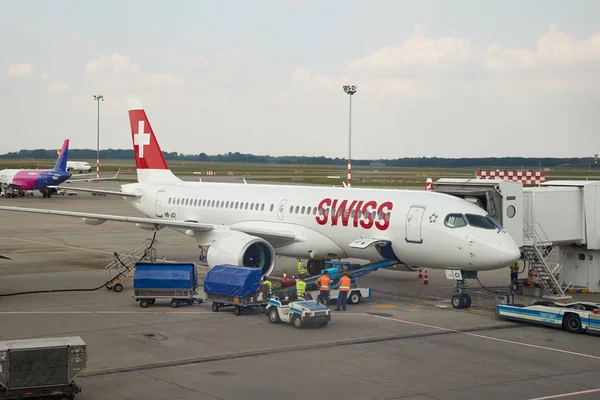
406 342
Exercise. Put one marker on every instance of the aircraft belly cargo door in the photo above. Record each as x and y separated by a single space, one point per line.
158 204
413 224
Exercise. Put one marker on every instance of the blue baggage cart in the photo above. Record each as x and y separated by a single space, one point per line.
237 287
175 281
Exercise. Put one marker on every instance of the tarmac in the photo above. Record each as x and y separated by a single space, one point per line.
406 342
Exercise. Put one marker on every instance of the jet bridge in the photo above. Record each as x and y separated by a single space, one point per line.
556 224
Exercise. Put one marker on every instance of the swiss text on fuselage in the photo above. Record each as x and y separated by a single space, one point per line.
360 207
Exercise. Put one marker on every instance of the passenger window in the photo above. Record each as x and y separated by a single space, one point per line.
262 207
302 210
272 206
315 211
251 206
291 209
245 206
169 200
455 221
195 202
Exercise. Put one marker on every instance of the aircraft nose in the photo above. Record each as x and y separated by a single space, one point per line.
499 253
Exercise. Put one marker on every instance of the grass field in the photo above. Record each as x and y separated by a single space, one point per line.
307 174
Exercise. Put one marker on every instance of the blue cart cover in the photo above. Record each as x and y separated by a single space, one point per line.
165 276
230 280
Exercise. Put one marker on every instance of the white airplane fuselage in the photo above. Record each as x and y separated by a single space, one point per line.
412 220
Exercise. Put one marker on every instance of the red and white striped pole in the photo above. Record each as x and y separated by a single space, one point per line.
350 90
98 98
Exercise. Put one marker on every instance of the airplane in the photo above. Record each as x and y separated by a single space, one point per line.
14 182
250 224
81 166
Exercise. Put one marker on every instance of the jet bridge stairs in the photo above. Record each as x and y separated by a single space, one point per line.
538 252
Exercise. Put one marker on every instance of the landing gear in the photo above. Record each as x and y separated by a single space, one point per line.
462 300
202 256
459 298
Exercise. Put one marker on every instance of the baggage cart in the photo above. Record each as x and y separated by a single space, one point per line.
237 287
177 282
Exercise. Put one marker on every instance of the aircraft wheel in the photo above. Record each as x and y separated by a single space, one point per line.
457 301
572 323
466 300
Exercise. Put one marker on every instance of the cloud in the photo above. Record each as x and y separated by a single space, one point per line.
58 87
45 76
418 51
115 64
555 48
21 69
164 79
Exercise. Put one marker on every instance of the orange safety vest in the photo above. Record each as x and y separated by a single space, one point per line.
324 281
345 284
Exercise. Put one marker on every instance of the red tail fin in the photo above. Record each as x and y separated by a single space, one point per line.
149 159
429 184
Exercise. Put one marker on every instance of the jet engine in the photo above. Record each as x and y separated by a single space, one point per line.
243 250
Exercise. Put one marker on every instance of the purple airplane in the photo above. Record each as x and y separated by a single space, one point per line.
14 182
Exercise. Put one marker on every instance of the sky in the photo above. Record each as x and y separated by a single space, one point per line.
444 78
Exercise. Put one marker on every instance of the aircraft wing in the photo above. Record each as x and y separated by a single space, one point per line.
96 219
111 192
93 179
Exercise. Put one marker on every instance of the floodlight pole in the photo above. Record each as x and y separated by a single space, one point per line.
350 90
98 98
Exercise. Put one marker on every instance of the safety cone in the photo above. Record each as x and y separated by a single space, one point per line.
421 273
426 279
284 275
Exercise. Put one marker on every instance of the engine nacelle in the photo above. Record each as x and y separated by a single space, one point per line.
243 250
404 267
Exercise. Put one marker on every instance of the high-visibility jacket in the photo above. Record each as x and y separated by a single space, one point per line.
300 288
324 281
301 269
514 267
344 284
268 284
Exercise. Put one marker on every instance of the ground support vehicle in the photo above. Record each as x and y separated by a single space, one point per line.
298 313
237 287
335 273
177 282
43 368
576 317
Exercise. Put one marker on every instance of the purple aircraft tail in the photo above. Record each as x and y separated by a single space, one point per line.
61 161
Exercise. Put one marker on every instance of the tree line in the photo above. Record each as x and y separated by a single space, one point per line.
415 162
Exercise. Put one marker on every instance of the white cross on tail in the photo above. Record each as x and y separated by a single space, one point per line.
141 139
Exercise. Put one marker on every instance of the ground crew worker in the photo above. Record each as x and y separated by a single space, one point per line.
514 275
344 289
301 287
301 270
267 284
323 284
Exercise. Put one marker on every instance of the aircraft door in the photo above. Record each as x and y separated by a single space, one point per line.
158 204
413 224
281 209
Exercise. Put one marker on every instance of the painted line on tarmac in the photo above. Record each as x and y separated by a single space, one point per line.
430 302
573 353
274 351
56 245
103 312
565 395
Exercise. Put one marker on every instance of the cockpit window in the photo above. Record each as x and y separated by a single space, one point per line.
480 221
455 220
